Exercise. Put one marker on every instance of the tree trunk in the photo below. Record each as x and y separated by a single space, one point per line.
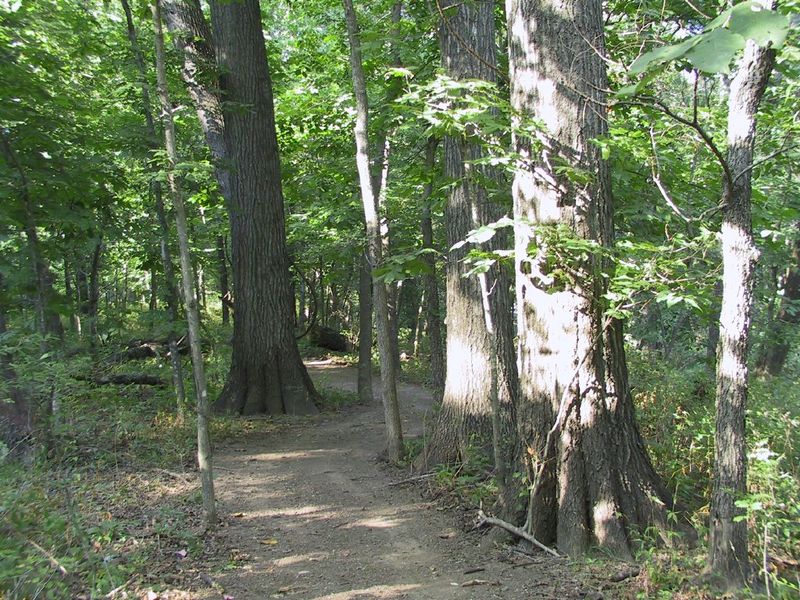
48 319
224 292
189 292
267 374
152 304
193 41
93 303
16 417
592 481
166 255
431 279
727 555
394 434
712 340
73 296
365 331
778 343
467 39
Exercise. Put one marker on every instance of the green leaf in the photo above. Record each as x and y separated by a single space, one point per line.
481 234
715 51
662 55
762 26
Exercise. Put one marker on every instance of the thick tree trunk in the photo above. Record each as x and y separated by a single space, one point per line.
467 39
394 433
267 374
431 279
592 480
166 254
192 38
728 535
189 292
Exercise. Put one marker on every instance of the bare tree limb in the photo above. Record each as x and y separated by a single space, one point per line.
484 519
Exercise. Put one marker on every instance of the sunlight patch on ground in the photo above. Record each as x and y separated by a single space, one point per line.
376 591
288 561
300 511
377 523
296 454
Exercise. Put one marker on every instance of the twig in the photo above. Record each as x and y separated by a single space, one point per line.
9 527
412 479
655 168
174 475
483 519
118 589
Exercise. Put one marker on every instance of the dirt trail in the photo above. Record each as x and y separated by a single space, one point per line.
315 517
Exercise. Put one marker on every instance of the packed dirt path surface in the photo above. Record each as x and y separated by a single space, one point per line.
312 514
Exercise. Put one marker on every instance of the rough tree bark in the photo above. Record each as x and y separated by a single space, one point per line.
155 186
189 291
727 555
222 265
267 374
193 40
430 279
467 39
592 480
394 433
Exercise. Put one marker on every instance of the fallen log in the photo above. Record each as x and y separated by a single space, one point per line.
124 379
143 349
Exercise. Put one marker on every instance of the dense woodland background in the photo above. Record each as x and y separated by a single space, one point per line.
534 214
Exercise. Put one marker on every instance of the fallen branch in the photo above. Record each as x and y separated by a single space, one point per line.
50 558
118 589
179 476
484 519
412 479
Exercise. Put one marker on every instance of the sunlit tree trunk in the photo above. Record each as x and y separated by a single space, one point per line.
189 292
394 434
593 483
728 535
480 358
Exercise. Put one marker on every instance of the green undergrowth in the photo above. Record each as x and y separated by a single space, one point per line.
114 501
334 400
675 407
470 483
675 410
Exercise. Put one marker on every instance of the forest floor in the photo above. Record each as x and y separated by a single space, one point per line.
311 513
